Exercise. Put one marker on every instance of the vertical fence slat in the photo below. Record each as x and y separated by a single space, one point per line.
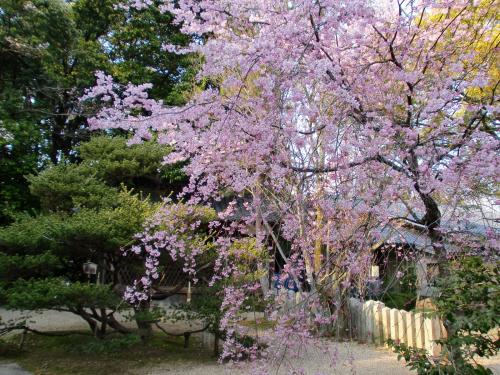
419 331
386 323
373 322
360 321
402 326
411 329
353 318
394 330
378 333
432 332
370 321
364 323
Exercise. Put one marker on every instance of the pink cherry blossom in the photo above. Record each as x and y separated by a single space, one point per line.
337 119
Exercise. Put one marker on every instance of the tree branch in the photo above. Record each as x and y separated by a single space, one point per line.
379 158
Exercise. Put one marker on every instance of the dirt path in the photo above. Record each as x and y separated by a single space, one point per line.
352 358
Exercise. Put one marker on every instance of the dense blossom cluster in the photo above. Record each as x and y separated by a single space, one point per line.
337 118
173 230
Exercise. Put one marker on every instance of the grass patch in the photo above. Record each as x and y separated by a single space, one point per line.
86 355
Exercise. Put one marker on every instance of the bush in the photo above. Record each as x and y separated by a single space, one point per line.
59 294
469 306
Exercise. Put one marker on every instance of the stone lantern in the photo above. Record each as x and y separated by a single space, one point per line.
89 268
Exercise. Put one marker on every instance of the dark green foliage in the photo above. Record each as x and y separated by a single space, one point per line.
60 294
14 267
66 186
138 166
470 296
19 155
205 306
81 200
46 64
49 53
106 163
403 292
135 50
31 235
418 360
81 234
469 304
82 218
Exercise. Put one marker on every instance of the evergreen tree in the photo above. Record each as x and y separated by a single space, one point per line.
49 53
89 212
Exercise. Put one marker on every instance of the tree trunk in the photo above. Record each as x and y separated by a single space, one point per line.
104 322
263 269
143 324
90 321
114 324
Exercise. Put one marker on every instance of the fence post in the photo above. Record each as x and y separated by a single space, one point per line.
353 318
432 333
386 323
359 321
410 330
363 334
419 330
378 333
370 321
394 328
373 322
402 327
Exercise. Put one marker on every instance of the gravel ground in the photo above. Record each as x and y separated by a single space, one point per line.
12 369
353 358
50 320
47 320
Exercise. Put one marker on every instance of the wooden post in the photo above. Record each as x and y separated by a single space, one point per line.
410 330
394 328
370 320
378 333
402 327
432 333
363 332
386 323
419 331
354 311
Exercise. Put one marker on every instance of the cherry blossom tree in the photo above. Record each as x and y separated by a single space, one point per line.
336 118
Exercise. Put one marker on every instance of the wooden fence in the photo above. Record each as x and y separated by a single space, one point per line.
373 322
